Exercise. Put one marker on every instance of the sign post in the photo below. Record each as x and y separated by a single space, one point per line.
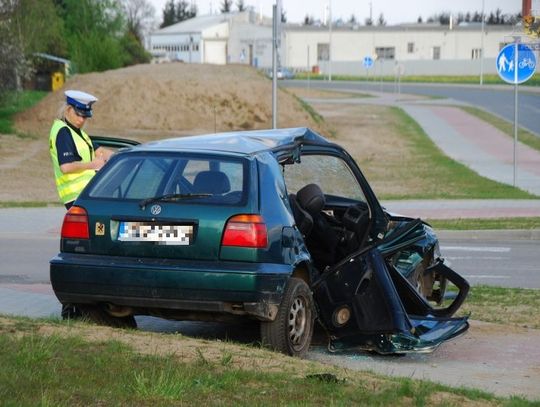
368 63
516 63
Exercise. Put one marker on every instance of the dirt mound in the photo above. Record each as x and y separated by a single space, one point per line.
153 101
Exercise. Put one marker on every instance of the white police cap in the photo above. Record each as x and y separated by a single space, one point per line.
80 101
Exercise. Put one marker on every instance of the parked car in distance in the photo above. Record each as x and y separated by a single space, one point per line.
279 226
282 73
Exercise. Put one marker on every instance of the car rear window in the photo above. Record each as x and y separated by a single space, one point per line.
141 176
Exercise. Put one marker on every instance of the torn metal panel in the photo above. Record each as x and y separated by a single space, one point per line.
363 304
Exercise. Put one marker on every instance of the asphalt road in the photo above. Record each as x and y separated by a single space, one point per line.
495 99
498 261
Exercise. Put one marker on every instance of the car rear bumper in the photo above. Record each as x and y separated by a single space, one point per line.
253 289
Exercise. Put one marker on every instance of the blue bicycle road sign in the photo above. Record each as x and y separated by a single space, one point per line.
513 71
368 62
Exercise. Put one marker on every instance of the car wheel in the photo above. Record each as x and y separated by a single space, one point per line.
99 316
291 331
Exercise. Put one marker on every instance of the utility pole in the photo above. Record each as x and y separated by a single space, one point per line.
330 41
274 63
482 46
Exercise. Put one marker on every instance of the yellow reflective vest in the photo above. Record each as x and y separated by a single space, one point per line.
70 185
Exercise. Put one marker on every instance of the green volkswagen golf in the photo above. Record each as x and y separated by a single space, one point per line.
279 226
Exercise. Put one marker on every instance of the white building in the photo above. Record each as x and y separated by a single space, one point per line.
415 49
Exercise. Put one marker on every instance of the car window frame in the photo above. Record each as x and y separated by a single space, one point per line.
244 161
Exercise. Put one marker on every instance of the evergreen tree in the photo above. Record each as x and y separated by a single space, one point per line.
381 21
240 5
308 20
169 14
226 6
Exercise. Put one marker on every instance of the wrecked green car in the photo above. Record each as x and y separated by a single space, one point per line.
278 226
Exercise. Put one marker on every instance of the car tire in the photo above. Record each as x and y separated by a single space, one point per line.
291 331
99 316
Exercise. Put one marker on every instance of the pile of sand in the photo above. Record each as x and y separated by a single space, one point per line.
155 101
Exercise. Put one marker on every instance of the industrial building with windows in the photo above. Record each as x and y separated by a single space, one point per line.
413 49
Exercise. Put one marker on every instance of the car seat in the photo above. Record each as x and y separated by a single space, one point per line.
211 182
322 239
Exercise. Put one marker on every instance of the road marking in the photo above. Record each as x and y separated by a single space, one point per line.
489 258
485 276
477 249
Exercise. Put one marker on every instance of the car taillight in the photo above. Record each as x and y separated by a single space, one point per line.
245 231
75 224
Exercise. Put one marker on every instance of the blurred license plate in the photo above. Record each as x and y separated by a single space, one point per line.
151 232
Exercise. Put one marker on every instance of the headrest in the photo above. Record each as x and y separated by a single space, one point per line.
80 101
211 182
311 198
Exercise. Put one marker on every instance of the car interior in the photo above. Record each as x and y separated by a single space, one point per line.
329 237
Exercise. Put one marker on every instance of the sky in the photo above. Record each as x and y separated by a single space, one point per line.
394 11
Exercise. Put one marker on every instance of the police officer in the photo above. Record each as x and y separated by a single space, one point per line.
74 156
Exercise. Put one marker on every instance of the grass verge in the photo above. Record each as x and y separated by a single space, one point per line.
14 103
66 365
485 224
508 306
27 204
490 79
526 137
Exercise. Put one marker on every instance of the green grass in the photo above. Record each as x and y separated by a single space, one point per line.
441 176
485 224
509 306
526 137
56 370
490 79
16 102
27 204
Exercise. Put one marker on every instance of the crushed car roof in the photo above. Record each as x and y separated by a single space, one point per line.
242 142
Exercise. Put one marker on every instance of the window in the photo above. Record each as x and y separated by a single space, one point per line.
136 177
410 47
385 52
331 173
323 52
476 53
436 52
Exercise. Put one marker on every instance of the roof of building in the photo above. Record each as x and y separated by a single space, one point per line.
196 24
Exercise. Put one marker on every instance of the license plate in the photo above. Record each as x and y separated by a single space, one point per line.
181 235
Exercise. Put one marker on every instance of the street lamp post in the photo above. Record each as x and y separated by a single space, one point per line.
330 41
482 47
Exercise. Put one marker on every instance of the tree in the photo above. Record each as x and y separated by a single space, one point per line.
169 14
381 20
226 6
94 30
368 21
419 20
240 5
139 16
176 12
308 20
352 20
26 27
283 16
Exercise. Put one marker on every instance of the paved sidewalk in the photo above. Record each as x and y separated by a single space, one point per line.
462 136
477 144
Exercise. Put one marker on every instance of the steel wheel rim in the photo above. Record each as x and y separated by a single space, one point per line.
298 316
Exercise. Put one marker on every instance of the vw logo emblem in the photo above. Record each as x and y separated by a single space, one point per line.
155 210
